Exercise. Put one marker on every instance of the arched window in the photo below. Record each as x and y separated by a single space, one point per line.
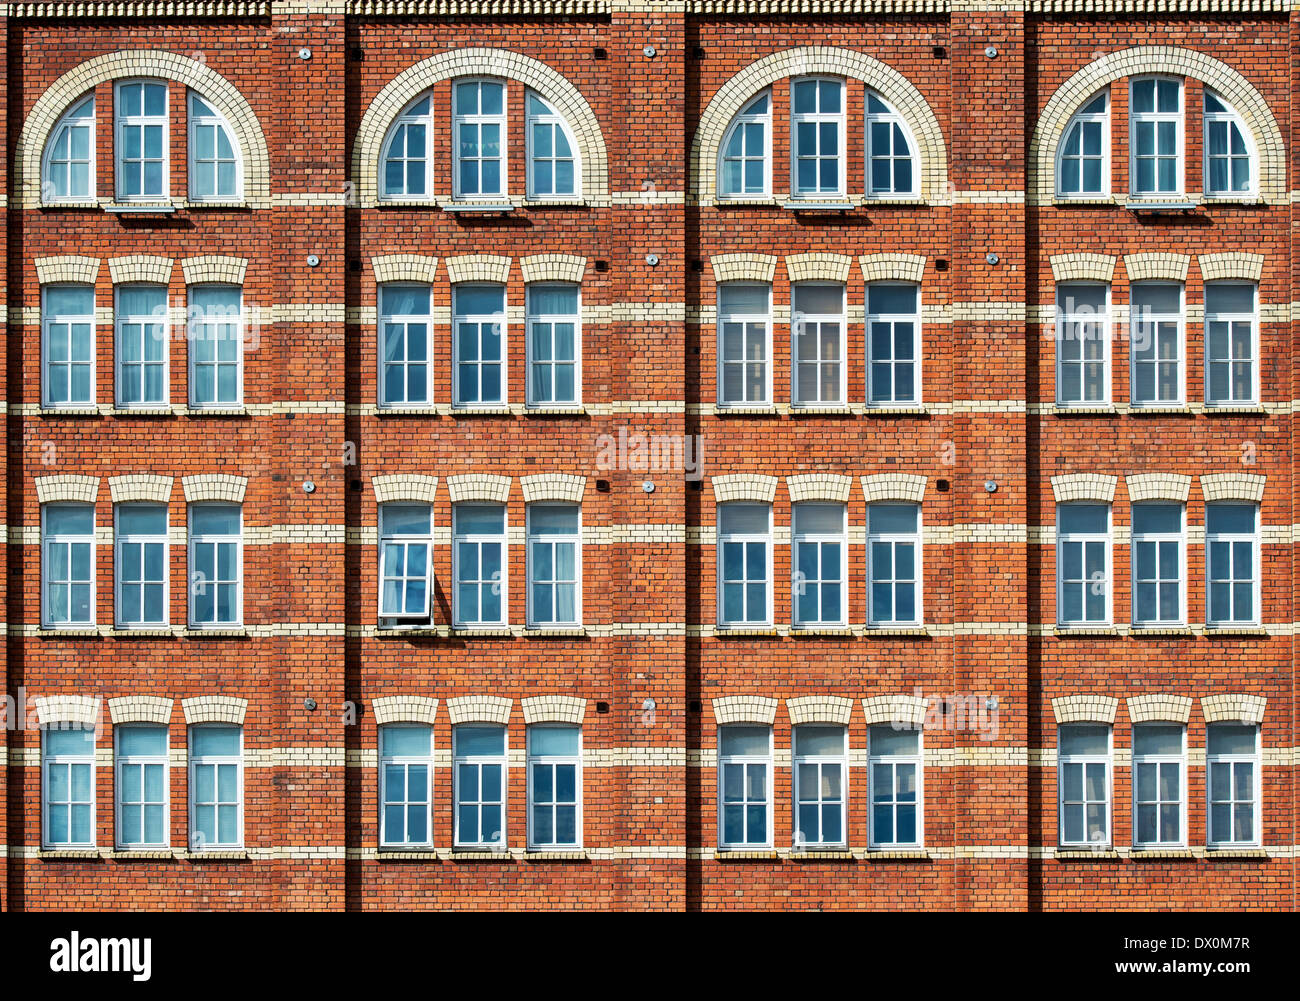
553 166
1229 153
1083 161
407 160
891 170
214 169
746 167
69 169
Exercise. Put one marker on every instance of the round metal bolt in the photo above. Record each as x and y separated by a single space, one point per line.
992 258
304 53
309 705
991 486
648 486
991 52
312 260
649 52
308 487
652 259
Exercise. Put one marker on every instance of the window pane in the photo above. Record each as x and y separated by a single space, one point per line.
553 740
886 740
1084 739
1157 738
480 740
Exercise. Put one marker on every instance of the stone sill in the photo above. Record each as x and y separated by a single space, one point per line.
399 632
1247 410
473 855
1066 632
141 855
1244 201
217 855
828 855
215 412
427 411
481 632
558 203
1212 631
140 208
887 411
577 855
1161 854
1091 201
478 208
1235 853
502 410
159 632
93 411
1154 411
574 411
543 633
1066 410
723 410
160 411
815 632
1086 855
724 632
742 855
897 855
813 410
69 854
406 855
896 631
82 632
743 202
818 208
237 632
1137 632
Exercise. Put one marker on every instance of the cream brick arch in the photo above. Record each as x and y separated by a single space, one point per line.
478 487
744 487
140 487
140 709
140 268
478 268
214 268
1083 487
894 487
479 709
554 709
892 267
553 487
1158 487
1233 708
1082 267
1159 709
562 95
907 711
891 85
819 487
743 267
1237 264
82 710
1085 709
552 268
214 487
404 487
404 709
219 92
818 267
744 709
1157 267
1222 78
215 709
819 709
69 487
1233 487
404 268
67 268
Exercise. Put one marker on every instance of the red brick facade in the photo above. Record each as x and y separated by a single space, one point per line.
983 446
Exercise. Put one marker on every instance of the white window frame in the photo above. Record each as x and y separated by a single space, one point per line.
480 119
797 322
1230 319
916 539
555 120
1254 759
121 122
478 539
551 319
67 321
197 120
817 539
122 761
1083 760
892 319
576 541
1256 568
1180 137
190 562
1231 117
1160 760
203 326
1080 118
48 540
553 760
48 759
1154 319
71 119
745 320
480 319
478 760
747 116
893 118
404 320
409 118
139 324
386 538
820 762
1157 538
405 761
745 538
1066 319
744 761
1064 538
121 539
836 118
918 761
196 761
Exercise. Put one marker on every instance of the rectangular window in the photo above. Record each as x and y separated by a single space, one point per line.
1232 542
1082 564
820 565
405 319
1158 559
68 565
896 803
820 786
216 336
140 536
744 564
894 564
1158 785
216 559
554 786
480 324
1233 762
480 130
216 786
480 766
141 345
141 145
406 796
553 346
1156 348
817 142
1156 136
405 564
554 565
893 344
68 787
142 786
1082 344
817 326
479 555
1231 344
68 346
1083 784
744 787
744 336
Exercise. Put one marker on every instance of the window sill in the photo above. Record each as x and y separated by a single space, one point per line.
887 410
894 631
160 411
762 410
1159 854
799 410
1172 205
1074 410
1065 632
69 854
478 208
722 632
1085 201
91 411
500 410
1140 631
1235 631
398 632
1244 201
818 208
1235 853
141 633
813 632
235 632
1086 854
893 201
213 203
569 411
1153 410
480 855
560 202
545 855
898 855
217 855
406 855
481 632
746 202
427 410
216 412
822 855
80 632
1247 409
556 632
141 854
140 208
746 855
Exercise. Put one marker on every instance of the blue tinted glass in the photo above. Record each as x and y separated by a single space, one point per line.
475 740
215 740
557 740
142 740
406 740
62 741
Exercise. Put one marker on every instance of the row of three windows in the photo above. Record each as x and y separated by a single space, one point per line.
142 346
1158 552
819 575
818 344
140 565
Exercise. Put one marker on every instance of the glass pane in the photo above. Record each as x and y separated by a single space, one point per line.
480 740
553 740
743 740
1084 739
